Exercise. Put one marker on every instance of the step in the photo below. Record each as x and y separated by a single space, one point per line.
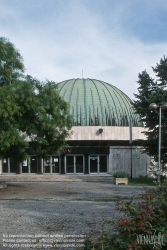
55 177
3 184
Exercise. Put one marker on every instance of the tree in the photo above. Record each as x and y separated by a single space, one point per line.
32 114
11 63
153 91
12 142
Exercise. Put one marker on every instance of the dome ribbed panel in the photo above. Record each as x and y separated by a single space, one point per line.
97 103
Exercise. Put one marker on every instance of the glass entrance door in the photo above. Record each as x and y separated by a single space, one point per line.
25 167
74 164
94 164
98 164
33 164
69 164
46 165
5 165
55 164
103 164
79 164
51 164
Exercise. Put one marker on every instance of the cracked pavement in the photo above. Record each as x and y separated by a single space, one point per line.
60 207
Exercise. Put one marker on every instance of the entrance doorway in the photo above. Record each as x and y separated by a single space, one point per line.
98 164
94 164
25 167
33 164
51 164
30 165
6 165
74 164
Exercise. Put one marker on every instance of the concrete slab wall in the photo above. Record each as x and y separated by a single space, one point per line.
109 133
123 158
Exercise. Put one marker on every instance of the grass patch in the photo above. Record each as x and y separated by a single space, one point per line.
146 181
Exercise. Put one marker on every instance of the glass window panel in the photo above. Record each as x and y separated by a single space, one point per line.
33 164
93 164
46 165
55 164
5 165
79 164
70 164
13 166
103 163
25 166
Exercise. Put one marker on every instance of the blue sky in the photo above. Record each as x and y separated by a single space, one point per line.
111 40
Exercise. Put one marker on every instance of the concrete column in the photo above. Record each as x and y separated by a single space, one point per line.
20 168
0 166
28 163
51 164
41 165
8 165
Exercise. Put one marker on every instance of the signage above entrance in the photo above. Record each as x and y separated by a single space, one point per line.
86 150
93 157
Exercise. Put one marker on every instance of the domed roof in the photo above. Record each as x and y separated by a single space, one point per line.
97 103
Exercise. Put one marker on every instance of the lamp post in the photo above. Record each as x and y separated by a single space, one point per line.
130 142
154 106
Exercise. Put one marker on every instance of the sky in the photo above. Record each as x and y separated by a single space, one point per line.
110 40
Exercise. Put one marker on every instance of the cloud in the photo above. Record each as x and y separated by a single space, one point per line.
58 39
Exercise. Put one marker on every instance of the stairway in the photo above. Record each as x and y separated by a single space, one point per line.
56 177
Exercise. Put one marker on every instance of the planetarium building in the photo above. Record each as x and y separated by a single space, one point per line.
105 135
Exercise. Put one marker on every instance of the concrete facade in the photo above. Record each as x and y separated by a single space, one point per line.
127 159
108 133
130 160
120 159
100 136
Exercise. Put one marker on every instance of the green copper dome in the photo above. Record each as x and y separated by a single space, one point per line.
97 103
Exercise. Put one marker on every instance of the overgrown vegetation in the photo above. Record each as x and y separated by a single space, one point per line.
144 226
153 91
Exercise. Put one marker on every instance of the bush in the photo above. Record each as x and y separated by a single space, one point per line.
120 175
145 226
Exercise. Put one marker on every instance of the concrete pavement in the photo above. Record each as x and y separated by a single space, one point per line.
67 205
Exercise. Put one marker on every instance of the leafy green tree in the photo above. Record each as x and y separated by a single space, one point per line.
32 114
11 63
12 142
153 91
44 116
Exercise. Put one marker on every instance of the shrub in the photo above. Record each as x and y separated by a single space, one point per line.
145 225
120 175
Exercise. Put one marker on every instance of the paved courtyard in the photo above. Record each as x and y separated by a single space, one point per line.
33 212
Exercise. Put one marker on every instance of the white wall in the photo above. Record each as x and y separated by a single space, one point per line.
109 133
